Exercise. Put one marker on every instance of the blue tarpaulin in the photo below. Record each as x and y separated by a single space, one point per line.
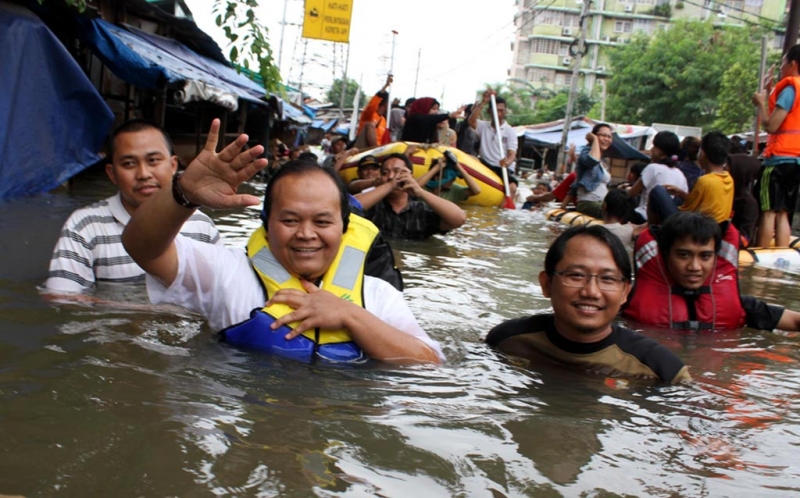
551 137
53 120
324 126
150 61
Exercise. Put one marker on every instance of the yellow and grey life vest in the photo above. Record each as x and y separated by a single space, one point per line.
345 277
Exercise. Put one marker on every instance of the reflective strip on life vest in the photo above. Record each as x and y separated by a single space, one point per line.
646 253
729 253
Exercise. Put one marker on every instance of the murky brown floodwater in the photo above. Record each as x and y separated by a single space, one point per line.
125 399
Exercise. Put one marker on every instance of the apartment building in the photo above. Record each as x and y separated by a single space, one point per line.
545 29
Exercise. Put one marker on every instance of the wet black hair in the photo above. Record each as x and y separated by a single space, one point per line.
793 54
669 144
716 147
499 100
700 227
690 146
301 167
398 155
133 126
556 252
617 203
308 156
637 169
384 96
597 127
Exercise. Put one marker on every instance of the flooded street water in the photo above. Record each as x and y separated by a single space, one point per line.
126 399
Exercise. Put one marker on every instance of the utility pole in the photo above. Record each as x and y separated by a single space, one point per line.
416 78
283 29
792 26
344 83
302 67
573 88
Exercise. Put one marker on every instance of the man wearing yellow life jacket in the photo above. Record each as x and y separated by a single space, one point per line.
345 279
308 237
780 178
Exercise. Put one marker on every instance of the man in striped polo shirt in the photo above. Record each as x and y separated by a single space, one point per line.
89 249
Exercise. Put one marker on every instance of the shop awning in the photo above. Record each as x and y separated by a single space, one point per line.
550 136
151 61
53 120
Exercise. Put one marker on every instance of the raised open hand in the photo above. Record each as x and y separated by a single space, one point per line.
212 178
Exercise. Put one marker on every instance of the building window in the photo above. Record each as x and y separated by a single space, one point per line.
571 20
622 27
540 76
550 17
541 46
644 25
645 2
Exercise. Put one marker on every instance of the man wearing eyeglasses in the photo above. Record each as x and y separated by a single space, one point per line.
587 277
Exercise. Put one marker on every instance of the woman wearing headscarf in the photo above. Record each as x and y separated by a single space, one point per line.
422 119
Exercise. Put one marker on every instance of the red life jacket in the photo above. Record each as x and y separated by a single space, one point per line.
786 140
655 300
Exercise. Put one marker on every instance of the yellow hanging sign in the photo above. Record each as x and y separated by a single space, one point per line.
327 20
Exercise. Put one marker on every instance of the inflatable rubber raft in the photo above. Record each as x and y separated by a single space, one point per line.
778 257
492 193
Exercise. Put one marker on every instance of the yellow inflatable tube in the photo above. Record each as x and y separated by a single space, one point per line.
492 193
778 257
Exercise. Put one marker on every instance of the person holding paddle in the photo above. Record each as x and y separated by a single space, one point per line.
496 154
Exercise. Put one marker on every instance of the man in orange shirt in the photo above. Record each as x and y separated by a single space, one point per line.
372 123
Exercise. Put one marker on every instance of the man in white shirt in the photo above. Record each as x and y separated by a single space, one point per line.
89 249
306 216
490 153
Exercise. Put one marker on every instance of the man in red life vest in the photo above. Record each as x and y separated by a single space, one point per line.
696 287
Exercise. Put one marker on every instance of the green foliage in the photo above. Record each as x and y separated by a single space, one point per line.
334 94
736 114
663 10
519 105
676 76
555 108
550 106
248 39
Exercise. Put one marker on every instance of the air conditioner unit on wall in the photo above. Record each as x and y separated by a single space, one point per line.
629 8
606 38
566 61
566 31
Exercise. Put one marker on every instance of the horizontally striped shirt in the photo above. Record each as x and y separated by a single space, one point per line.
90 248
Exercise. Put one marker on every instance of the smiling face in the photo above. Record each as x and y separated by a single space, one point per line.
305 224
141 165
690 262
584 314
604 138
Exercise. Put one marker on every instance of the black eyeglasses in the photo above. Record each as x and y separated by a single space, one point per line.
580 279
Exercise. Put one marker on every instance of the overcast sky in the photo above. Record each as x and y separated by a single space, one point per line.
464 44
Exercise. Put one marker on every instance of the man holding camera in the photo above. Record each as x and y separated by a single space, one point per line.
401 209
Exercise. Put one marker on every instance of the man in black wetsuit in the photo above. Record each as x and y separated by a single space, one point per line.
587 277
